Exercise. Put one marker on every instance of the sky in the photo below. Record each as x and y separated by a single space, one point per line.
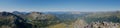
59 5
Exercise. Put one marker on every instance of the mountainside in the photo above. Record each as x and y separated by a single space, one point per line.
59 19
9 20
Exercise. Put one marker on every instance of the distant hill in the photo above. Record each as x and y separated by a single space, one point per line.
102 16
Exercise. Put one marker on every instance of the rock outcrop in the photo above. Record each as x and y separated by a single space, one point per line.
103 25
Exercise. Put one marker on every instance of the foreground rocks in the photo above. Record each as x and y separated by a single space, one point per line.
103 25
83 24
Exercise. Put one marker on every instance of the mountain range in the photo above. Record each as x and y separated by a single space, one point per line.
18 19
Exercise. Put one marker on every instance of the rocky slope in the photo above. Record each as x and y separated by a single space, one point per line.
103 25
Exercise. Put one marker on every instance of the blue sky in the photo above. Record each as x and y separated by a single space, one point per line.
60 5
